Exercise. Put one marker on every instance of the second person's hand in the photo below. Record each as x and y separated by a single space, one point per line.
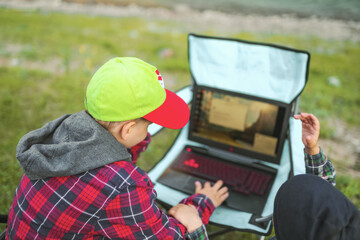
310 132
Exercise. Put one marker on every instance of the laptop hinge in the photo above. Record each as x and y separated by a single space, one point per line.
226 155
231 156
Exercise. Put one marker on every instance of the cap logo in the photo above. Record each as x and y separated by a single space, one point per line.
161 81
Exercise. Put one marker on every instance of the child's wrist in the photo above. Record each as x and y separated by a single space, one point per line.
193 225
312 150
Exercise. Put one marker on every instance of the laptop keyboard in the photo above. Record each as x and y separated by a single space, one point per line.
240 179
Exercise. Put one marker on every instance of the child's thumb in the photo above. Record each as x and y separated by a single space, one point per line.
197 186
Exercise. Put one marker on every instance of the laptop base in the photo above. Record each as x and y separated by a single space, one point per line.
183 182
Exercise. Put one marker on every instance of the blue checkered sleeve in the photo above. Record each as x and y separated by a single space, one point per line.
198 234
319 165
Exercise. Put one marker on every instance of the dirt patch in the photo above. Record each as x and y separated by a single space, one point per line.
10 57
193 20
54 65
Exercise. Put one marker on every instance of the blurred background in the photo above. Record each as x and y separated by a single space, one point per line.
50 49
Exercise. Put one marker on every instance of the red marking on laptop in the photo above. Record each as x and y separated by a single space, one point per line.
191 163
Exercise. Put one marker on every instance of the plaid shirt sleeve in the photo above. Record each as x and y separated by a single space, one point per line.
319 165
198 234
203 204
134 214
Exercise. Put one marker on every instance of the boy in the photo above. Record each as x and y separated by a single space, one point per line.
80 182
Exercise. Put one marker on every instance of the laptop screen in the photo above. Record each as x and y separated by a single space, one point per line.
238 123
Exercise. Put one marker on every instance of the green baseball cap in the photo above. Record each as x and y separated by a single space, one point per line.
129 88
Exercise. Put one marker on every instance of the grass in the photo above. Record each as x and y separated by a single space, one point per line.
48 59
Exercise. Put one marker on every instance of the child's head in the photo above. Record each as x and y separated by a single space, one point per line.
130 94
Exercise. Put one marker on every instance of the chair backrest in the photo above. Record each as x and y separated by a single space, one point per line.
259 69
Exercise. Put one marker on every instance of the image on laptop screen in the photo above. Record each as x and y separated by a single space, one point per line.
237 122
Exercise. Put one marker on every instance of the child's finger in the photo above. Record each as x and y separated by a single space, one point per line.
218 184
297 116
192 206
224 196
314 120
207 185
172 211
197 186
302 116
305 115
223 190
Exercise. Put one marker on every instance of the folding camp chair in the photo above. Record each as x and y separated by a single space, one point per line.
262 70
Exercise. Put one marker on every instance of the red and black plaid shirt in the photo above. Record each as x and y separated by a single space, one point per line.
116 201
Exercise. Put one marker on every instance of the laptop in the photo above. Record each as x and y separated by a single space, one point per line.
232 136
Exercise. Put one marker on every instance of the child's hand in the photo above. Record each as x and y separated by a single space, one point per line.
187 215
310 132
216 193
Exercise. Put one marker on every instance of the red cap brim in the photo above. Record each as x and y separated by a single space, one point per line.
174 113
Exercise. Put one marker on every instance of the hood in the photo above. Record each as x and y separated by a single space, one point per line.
309 208
69 145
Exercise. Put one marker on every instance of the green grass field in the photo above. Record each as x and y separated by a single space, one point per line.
47 59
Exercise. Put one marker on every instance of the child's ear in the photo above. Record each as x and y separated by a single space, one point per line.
125 130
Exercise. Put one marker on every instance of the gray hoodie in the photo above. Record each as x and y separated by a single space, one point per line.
69 145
